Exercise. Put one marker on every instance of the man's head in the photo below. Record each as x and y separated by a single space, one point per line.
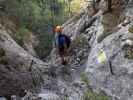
58 29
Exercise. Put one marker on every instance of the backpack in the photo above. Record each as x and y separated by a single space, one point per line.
63 40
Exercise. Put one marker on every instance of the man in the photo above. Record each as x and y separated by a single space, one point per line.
62 42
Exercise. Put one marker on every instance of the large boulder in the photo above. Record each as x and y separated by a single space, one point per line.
108 69
19 71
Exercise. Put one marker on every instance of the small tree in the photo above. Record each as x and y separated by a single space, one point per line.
109 5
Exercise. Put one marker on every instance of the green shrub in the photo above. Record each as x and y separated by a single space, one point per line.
21 34
45 45
130 29
37 16
90 95
2 52
84 78
3 61
66 98
110 21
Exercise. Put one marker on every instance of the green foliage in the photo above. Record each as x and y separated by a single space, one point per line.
90 95
2 52
3 60
78 42
130 29
75 6
109 21
84 78
21 34
39 16
45 45
66 98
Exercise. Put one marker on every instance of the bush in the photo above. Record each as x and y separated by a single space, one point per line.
84 78
90 95
130 29
21 34
37 16
45 45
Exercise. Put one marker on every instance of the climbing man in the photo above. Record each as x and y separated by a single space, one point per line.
62 42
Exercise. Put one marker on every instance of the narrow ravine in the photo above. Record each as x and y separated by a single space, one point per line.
68 78
100 65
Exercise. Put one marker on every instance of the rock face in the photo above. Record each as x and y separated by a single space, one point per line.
66 79
30 41
117 81
19 71
110 19
105 65
22 36
113 74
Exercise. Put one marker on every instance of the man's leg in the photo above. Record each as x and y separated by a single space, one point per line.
62 55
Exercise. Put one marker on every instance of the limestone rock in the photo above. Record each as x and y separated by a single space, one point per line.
17 74
117 84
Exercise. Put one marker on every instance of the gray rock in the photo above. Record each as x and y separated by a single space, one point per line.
119 84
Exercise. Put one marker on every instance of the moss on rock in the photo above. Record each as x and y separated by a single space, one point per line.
84 78
90 95
130 29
